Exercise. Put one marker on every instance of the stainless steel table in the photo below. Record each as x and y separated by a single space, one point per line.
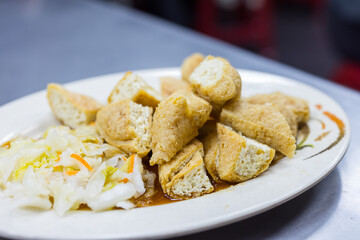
63 41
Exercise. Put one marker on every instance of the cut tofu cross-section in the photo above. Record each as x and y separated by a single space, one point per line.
184 176
133 87
263 123
72 109
241 158
192 180
126 125
231 157
176 122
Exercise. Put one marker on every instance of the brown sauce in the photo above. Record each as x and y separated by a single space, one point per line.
160 198
321 136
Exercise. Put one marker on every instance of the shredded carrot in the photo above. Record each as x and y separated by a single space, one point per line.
125 180
80 159
92 123
57 168
58 157
124 158
132 159
318 106
71 172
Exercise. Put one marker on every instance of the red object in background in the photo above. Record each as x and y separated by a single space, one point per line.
348 74
244 27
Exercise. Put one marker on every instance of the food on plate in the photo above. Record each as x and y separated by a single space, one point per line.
298 106
295 110
191 181
72 109
126 125
263 123
189 64
67 168
141 149
175 124
200 108
184 176
231 157
216 80
210 140
170 85
133 87
240 158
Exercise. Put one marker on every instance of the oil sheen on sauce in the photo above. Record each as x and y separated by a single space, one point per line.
160 197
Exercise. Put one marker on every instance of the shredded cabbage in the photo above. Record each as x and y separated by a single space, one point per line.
67 168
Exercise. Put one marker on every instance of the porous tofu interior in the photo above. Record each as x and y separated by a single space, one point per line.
252 158
139 120
208 72
195 182
66 111
127 88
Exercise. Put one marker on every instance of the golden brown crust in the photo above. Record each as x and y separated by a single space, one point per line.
226 87
144 98
199 107
170 85
241 158
190 63
133 87
195 162
115 126
263 123
211 153
290 118
168 170
173 128
299 106
231 144
80 103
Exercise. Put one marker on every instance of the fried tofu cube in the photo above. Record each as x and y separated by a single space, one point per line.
199 107
263 123
189 64
133 87
241 158
216 80
176 122
298 106
169 85
126 125
185 176
72 109
168 170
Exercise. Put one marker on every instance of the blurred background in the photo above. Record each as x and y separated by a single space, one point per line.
318 36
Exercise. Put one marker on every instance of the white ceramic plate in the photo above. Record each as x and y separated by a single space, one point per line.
283 181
